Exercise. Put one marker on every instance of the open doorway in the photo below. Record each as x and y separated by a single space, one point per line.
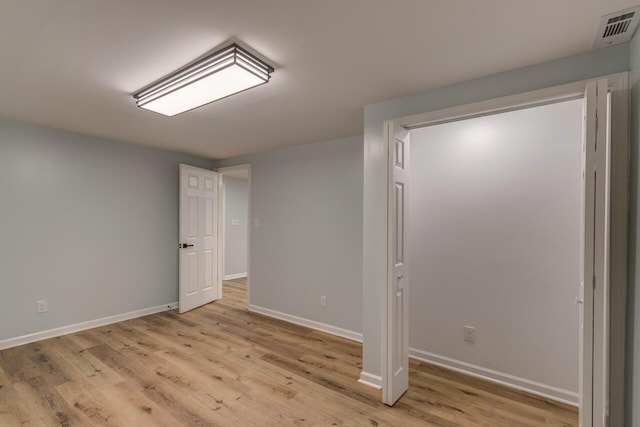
494 247
234 220
594 241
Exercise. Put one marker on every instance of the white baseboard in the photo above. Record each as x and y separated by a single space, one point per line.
371 380
235 276
533 387
77 327
334 330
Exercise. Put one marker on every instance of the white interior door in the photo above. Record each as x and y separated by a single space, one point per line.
198 237
396 374
594 284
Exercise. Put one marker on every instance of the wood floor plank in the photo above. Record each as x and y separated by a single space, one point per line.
90 369
13 412
220 365
135 408
46 404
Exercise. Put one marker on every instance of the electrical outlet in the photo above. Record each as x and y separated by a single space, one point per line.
469 333
323 301
41 306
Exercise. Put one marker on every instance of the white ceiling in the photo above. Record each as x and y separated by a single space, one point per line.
73 64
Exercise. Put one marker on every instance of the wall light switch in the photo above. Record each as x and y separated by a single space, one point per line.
323 301
469 333
41 306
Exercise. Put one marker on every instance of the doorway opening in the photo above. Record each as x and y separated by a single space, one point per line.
601 228
234 221
494 247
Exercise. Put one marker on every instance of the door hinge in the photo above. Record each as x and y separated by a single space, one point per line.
594 281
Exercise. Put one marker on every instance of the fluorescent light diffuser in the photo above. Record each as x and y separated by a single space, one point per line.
228 71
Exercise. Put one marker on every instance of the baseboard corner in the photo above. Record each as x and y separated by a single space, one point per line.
370 380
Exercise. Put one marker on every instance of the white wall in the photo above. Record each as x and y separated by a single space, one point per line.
90 225
236 194
565 70
306 236
495 243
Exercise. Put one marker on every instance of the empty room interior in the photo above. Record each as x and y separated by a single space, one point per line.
353 213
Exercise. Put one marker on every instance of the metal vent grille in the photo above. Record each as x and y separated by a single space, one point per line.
617 27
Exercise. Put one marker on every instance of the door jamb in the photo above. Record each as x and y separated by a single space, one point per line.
619 88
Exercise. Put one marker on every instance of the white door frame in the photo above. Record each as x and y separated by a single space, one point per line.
222 172
619 89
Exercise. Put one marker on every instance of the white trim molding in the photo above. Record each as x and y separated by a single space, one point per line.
83 326
318 326
533 387
235 276
370 380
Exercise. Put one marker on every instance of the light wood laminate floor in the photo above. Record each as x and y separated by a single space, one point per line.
222 366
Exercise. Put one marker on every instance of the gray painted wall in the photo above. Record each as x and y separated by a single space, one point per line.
89 225
236 195
566 70
307 204
494 243
632 403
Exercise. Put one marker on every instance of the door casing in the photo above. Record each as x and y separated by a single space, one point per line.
618 214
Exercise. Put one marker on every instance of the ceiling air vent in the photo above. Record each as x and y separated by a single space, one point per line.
617 27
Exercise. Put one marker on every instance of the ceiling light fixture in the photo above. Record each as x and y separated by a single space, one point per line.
221 74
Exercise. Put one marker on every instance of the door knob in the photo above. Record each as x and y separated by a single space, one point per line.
184 245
